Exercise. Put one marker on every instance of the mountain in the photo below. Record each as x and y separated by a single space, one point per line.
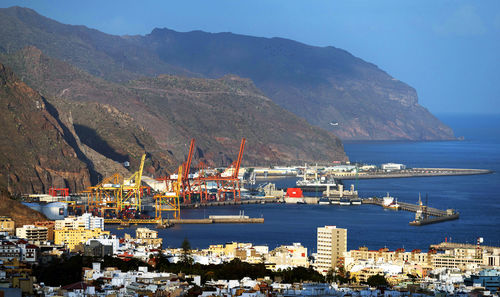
321 84
35 153
169 110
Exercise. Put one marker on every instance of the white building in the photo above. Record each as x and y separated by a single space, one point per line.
331 245
32 233
108 240
288 256
86 221
392 166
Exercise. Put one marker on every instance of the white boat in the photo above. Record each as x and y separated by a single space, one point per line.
388 200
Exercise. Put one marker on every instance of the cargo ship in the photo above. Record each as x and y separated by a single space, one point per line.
390 203
317 184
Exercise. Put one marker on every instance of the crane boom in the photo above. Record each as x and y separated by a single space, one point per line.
188 161
240 156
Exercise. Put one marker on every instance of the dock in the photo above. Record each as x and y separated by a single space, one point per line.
169 222
436 215
231 202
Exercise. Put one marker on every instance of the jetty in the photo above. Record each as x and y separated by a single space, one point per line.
165 223
433 215
231 202
413 172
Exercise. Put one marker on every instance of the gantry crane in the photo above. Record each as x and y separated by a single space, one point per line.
186 185
131 194
169 199
115 194
104 198
228 182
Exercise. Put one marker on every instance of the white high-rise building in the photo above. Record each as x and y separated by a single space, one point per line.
86 221
332 244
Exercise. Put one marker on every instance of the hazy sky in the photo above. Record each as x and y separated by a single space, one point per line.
449 51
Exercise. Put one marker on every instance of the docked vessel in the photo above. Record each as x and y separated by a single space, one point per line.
390 203
317 183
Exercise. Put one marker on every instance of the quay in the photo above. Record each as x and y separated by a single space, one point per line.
231 202
438 215
170 222
413 172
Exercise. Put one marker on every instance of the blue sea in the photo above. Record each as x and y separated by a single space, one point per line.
476 197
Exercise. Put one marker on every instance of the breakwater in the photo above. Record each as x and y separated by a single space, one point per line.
432 215
169 222
414 172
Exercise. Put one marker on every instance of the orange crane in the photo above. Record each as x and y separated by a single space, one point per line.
186 185
228 181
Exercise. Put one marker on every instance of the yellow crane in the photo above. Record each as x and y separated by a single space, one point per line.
105 196
131 189
169 199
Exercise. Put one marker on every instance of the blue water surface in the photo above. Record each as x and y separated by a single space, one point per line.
476 197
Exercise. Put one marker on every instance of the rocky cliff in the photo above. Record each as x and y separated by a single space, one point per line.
34 149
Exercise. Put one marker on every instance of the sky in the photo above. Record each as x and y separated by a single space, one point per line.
449 51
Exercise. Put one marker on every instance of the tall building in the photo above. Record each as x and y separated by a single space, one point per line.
332 244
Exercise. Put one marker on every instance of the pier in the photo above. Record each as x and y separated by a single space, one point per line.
169 222
437 215
231 202
413 172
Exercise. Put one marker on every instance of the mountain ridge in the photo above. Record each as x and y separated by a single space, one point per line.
320 84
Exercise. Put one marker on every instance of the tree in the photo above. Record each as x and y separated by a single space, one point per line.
377 281
186 252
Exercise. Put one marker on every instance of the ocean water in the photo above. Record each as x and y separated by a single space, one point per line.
476 197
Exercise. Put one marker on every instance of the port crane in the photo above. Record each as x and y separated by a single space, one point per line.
169 199
228 181
115 196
